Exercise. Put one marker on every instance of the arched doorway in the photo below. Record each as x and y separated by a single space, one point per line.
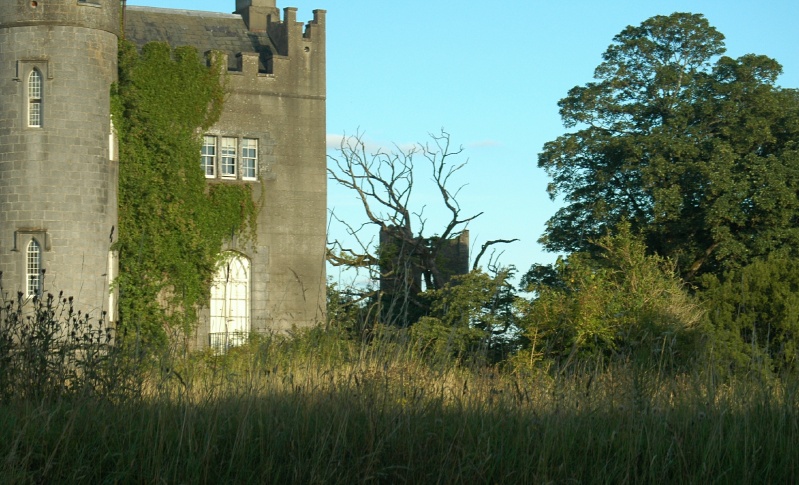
230 302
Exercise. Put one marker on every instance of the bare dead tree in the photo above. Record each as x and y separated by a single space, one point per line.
403 253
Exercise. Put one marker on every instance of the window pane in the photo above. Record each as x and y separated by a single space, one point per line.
35 99
209 156
228 152
35 114
249 158
35 85
230 303
34 268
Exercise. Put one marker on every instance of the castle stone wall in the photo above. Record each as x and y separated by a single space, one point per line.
57 183
285 110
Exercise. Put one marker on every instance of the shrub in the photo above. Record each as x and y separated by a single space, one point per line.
623 304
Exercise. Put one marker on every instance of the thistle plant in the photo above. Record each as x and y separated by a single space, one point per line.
49 349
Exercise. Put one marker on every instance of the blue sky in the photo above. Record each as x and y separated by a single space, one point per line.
491 74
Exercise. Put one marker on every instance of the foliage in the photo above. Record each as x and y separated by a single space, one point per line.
280 412
698 152
350 311
50 350
755 312
172 224
472 316
621 304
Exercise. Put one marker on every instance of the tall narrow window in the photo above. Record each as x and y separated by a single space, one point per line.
112 153
209 156
35 99
249 158
34 268
228 150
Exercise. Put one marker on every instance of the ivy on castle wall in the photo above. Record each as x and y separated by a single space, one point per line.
172 223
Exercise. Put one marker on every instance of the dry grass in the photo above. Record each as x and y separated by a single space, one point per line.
316 410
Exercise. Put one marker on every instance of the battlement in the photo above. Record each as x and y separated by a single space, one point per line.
278 75
259 15
261 50
286 34
291 60
91 14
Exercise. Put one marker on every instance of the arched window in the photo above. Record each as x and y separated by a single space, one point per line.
230 302
35 99
33 259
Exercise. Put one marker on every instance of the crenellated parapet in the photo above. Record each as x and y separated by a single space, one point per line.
263 52
290 36
295 65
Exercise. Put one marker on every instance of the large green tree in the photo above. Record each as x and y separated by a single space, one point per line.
698 151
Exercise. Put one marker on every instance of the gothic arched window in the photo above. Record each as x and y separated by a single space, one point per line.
35 99
33 266
230 302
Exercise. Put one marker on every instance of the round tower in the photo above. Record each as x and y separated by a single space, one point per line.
58 168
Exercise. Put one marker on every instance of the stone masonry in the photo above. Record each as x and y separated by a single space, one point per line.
58 181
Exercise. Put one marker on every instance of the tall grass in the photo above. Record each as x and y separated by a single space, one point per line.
315 408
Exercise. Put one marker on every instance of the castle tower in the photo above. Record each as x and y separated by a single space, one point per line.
58 168
271 138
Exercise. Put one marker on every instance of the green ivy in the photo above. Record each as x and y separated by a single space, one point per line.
172 223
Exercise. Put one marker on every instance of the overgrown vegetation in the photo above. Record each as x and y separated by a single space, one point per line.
172 223
623 306
662 347
48 350
315 408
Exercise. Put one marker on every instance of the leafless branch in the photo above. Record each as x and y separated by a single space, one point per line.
383 182
485 246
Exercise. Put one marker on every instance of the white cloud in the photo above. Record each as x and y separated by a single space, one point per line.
333 143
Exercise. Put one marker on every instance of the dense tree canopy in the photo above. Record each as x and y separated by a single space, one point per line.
699 152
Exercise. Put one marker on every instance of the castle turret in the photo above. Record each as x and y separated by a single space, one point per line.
58 168
257 13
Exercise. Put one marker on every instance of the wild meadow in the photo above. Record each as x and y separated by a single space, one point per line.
318 407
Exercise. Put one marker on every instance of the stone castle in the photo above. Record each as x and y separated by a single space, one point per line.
59 160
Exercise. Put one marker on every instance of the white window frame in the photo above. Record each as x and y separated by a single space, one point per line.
227 156
249 158
35 96
33 268
230 302
112 137
208 154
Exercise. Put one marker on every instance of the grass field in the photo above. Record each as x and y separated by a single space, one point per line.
324 410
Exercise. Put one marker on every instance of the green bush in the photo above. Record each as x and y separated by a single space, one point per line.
754 312
473 316
620 305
